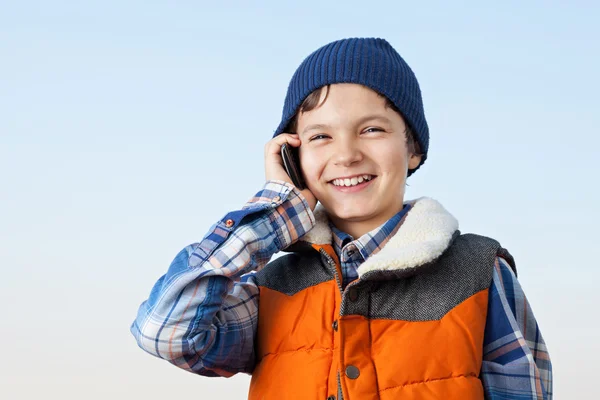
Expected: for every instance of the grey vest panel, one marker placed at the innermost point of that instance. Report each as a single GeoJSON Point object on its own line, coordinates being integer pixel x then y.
{"type": "Point", "coordinates": [295, 272]}
{"type": "Point", "coordinates": [463, 270]}
{"type": "Point", "coordinates": [425, 293]}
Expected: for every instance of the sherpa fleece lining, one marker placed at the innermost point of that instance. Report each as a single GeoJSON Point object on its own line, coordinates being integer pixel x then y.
{"type": "Point", "coordinates": [425, 234]}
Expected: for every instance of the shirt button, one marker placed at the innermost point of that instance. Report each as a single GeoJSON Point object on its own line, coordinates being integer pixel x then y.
{"type": "Point", "coordinates": [276, 198]}
{"type": "Point", "coordinates": [332, 397]}
{"type": "Point", "coordinates": [335, 325]}
{"type": "Point", "coordinates": [229, 223]}
{"type": "Point", "coordinates": [353, 294]}
{"type": "Point", "coordinates": [352, 372]}
{"type": "Point", "coordinates": [351, 253]}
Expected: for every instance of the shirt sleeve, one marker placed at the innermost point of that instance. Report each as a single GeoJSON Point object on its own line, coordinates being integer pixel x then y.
{"type": "Point", "coordinates": [516, 363]}
{"type": "Point", "coordinates": [202, 314]}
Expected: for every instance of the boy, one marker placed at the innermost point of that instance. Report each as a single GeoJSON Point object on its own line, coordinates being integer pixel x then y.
{"type": "Point", "coordinates": [379, 298]}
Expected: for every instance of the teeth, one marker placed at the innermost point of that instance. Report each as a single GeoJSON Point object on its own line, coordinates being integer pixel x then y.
{"type": "Point", "coordinates": [352, 181]}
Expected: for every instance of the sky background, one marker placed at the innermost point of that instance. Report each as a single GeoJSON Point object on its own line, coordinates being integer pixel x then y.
{"type": "Point", "coordinates": [128, 127]}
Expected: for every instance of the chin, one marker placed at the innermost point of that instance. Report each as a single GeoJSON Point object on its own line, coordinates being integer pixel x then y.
{"type": "Point", "coordinates": [351, 212]}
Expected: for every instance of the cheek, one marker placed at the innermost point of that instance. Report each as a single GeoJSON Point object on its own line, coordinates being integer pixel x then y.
{"type": "Point", "coordinates": [392, 158]}
{"type": "Point", "coordinates": [311, 164]}
{"type": "Point", "coordinates": [393, 163]}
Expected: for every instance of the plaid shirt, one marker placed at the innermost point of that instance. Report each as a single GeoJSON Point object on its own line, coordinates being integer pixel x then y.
{"type": "Point", "coordinates": [352, 252]}
{"type": "Point", "coordinates": [202, 314]}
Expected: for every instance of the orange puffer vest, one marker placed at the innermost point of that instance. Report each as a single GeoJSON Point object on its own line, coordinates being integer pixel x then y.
{"type": "Point", "coordinates": [410, 327]}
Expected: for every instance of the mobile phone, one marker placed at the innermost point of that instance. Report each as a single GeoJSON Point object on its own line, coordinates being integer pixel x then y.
{"type": "Point", "coordinates": [291, 163]}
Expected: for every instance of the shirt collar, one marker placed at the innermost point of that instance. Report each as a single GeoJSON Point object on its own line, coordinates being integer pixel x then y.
{"type": "Point", "coordinates": [371, 242]}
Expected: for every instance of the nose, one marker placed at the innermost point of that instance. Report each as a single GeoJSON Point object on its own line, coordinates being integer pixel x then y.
{"type": "Point", "coordinates": [347, 152]}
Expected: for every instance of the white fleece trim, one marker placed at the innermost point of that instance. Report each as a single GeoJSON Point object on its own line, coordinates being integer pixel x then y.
{"type": "Point", "coordinates": [320, 233]}
{"type": "Point", "coordinates": [424, 235]}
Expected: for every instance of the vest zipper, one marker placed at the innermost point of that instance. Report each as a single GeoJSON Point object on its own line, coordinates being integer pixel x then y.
{"type": "Point", "coordinates": [333, 266]}
{"type": "Point", "coordinates": [340, 395]}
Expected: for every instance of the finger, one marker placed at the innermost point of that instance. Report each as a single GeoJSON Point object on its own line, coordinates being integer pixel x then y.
{"type": "Point", "coordinates": [285, 138]}
{"type": "Point", "coordinates": [274, 145]}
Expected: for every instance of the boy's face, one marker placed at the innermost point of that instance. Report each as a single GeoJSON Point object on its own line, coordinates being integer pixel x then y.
{"type": "Point", "coordinates": [349, 136]}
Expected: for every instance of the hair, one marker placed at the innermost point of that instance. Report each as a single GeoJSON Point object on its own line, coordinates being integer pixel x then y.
{"type": "Point", "coordinates": [312, 101]}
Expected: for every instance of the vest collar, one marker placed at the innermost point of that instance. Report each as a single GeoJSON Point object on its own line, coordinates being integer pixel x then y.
{"type": "Point", "coordinates": [426, 232]}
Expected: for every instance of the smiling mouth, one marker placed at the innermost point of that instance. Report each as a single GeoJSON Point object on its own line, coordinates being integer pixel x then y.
{"type": "Point", "coordinates": [354, 181]}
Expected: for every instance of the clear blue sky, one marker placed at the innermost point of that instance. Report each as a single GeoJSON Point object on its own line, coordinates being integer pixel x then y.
{"type": "Point", "coordinates": [128, 127]}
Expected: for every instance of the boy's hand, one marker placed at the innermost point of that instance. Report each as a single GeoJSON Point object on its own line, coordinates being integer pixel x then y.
{"type": "Point", "coordinates": [274, 169]}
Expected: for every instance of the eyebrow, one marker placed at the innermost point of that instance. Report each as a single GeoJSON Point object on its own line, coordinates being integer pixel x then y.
{"type": "Point", "coordinates": [366, 118]}
{"type": "Point", "coordinates": [314, 127]}
{"type": "Point", "coordinates": [374, 117]}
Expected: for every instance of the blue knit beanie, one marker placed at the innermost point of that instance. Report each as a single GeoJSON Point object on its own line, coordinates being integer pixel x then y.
{"type": "Point", "coordinates": [371, 62]}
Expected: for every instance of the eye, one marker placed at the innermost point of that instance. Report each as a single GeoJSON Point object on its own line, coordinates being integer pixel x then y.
{"type": "Point", "coordinates": [372, 129]}
{"type": "Point", "coordinates": [317, 137]}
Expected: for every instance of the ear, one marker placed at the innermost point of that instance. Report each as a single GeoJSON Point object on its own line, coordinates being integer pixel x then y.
{"type": "Point", "coordinates": [414, 160]}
